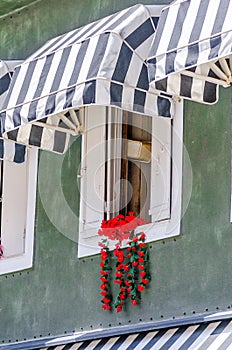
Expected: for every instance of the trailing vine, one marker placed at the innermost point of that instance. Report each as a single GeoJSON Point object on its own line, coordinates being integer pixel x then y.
{"type": "Point", "coordinates": [132, 267]}
{"type": "Point", "coordinates": [105, 276]}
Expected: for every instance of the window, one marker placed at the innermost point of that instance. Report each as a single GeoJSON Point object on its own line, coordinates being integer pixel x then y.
{"type": "Point", "coordinates": [130, 162]}
{"type": "Point", "coordinates": [18, 193]}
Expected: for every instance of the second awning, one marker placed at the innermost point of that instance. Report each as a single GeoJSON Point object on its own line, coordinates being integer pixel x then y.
{"type": "Point", "coordinates": [191, 53]}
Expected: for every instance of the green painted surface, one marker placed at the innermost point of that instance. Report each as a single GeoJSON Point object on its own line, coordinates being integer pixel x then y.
{"type": "Point", "coordinates": [22, 33]}
{"type": "Point", "coordinates": [190, 274]}
{"type": "Point", "coordinates": [9, 6]}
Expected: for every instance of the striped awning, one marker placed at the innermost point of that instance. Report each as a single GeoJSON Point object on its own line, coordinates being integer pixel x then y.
{"type": "Point", "coordinates": [102, 63]}
{"type": "Point", "coordinates": [191, 53]}
{"type": "Point", "coordinates": [9, 151]}
{"type": "Point", "coordinates": [216, 335]}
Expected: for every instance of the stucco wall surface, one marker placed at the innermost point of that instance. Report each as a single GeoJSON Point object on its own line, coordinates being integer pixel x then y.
{"type": "Point", "coordinates": [191, 274]}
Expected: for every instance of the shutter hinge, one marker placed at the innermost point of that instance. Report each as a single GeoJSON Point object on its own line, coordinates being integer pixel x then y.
{"type": "Point", "coordinates": [81, 173]}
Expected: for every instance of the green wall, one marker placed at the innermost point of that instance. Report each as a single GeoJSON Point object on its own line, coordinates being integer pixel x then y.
{"type": "Point", "coordinates": [26, 30]}
{"type": "Point", "coordinates": [191, 274]}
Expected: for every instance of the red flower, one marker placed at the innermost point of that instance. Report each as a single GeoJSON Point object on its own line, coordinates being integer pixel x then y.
{"type": "Point", "coordinates": [106, 300]}
{"type": "Point", "coordinates": [119, 267]}
{"type": "Point", "coordinates": [104, 255]}
{"type": "Point", "coordinates": [126, 267]}
{"type": "Point", "coordinates": [121, 258]}
{"type": "Point", "coordinates": [103, 286]}
{"type": "Point", "coordinates": [141, 254]}
{"type": "Point", "coordinates": [102, 264]}
{"type": "Point", "coordinates": [141, 267]}
{"type": "Point", "coordinates": [145, 281]}
{"type": "Point", "coordinates": [142, 274]}
{"type": "Point", "coordinates": [103, 293]}
{"type": "Point", "coordinates": [103, 279]}
{"type": "Point", "coordinates": [117, 281]}
{"type": "Point", "coordinates": [133, 302]}
{"type": "Point", "coordinates": [106, 307]}
{"type": "Point", "coordinates": [141, 288]}
{"type": "Point", "coordinates": [141, 260]}
{"type": "Point", "coordinates": [135, 263]}
{"type": "Point", "coordinates": [104, 224]}
{"type": "Point", "coordinates": [142, 245]}
{"type": "Point", "coordinates": [119, 274]}
{"type": "Point", "coordinates": [135, 239]}
{"type": "Point", "coordinates": [143, 236]}
{"type": "Point", "coordinates": [104, 273]}
{"type": "Point", "coordinates": [122, 296]}
{"type": "Point", "coordinates": [119, 308]}
{"type": "Point", "coordinates": [120, 216]}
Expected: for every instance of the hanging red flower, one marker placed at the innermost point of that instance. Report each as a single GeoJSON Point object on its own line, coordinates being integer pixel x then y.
{"type": "Point", "coordinates": [1, 250]}
{"type": "Point", "coordinates": [132, 269]}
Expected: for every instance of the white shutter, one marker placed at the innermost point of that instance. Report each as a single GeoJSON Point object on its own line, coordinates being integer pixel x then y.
{"type": "Point", "coordinates": [14, 205]}
{"type": "Point", "coordinates": [161, 169]}
{"type": "Point", "coordinates": [114, 154]}
{"type": "Point", "coordinates": [92, 176]}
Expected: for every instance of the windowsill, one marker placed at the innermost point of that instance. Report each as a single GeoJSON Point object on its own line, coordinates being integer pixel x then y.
{"type": "Point", "coordinates": [159, 230]}
{"type": "Point", "coordinates": [154, 232]}
{"type": "Point", "coordinates": [16, 263]}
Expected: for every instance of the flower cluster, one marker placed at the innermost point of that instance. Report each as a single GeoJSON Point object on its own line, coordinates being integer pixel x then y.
{"type": "Point", "coordinates": [1, 250]}
{"type": "Point", "coordinates": [120, 227]}
{"type": "Point", "coordinates": [138, 268]}
{"type": "Point", "coordinates": [132, 269]}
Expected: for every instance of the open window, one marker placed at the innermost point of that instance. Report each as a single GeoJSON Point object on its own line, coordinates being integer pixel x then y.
{"type": "Point", "coordinates": [18, 194]}
{"type": "Point", "coordinates": [130, 162]}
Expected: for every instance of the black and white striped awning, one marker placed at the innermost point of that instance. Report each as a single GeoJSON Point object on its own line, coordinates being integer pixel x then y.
{"type": "Point", "coordinates": [212, 336]}
{"type": "Point", "coordinates": [191, 52]}
{"type": "Point", "coordinates": [216, 335]}
{"type": "Point", "coordinates": [102, 63]}
{"type": "Point", "coordinates": [9, 151]}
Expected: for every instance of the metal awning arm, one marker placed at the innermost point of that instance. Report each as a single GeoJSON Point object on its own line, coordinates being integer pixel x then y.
{"type": "Point", "coordinates": [222, 82]}
{"type": "Point", "coordinates": [57, 128]}
{"type": "Point", "coordinates": [74, 126]}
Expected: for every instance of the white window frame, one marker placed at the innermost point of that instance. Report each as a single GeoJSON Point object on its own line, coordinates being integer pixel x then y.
{"type": "Point", "coordinates": [88, 227]}
{"type": "Point", "coordinates": [23, 259]}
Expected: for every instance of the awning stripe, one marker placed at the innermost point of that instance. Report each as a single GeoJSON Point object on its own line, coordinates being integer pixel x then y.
{"type": "Point", "coordinates": [198, 336]}
{"type": "Point", "coordinates": [4, 83]}
{"type": "Point", "coordinates": [191, 34]}
{"type": "Point", "coordinates": [102, 63]}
